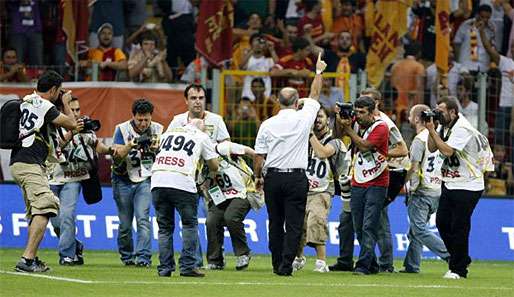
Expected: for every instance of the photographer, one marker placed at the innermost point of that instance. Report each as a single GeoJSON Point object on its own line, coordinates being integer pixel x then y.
{"type": "Point", "coordinates": [27, 164]}
{"type": "Point", "coordinates": [79, 147]}
{"type": "Point", "coordinates": [370, 178]}
{"type": "Point", "coordinates": [131, 171]}
{"type": "Point", "coordinates": [467, 156]}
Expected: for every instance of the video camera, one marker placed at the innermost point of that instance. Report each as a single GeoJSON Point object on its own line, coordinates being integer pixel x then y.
{"type": "Point", "coordinates": [435, 114]}
{"type": "Point", "coordinates": [345, 110]}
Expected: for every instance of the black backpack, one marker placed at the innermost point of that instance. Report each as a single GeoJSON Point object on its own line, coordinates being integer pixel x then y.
{"type": "Point", "coordinates": [10, 115]}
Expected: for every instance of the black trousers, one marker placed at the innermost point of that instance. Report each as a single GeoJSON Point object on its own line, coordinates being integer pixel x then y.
{"type": "Point", "coordinates": [453, 221]}
{"type": "Point", "coordinates": [396, 182]}
{"type": "Point", "coordinates": [286, 197]}
{"type": "Point", "coordinates": [180, 40]}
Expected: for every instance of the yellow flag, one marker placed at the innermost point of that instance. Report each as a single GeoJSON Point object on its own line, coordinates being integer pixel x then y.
{"type": "Point", "coordinates": [442, 33]}
{"type": "Point", "coordinates": [388, 27]}
{"type": "Point", "coordinates": [326, 14]}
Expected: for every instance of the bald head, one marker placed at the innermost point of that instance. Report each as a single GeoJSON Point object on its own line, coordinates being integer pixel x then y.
{"type": "Point", "coordinates": [415, 113]}
{"type": "Point", "coordinates": [288, 96]}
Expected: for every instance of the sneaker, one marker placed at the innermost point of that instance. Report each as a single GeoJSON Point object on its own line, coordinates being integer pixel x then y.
{"type": "Point", "coordinates": [31, 266]}
{"type": "Point", "coordinates": [193, 273]}
{"type": "Point", "coordinates": [214, 267]}
{"type": "Point", "coordinates": [79, 253]}
{"type": "Point", "coordinates": [340, 267]}
{"type": "Point", "coordinates": [321, 266]}
{"type": "Point", "coordinates": [451, 275]}
{"type": "Point", "coordinates": [242, 262]}
{"type": "Point", "coordinates": [66, 261]}
{"type": "Point", "coordinates": [299, 263]}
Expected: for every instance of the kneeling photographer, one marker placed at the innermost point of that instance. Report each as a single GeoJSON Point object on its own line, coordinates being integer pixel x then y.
{"type": "Point", "coordinates": [467, 156]}
{"type": "Point", "coordinates": [79, 170]}
{"type": "Point", "coordinates": [139, 140]}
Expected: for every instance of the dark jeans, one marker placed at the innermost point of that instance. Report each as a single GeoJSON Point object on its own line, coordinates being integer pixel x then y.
{"type": "Point", "coordinates": [230, 213]}
{"type": "Point", "coordinates": [165, 201]}
{"type": "Point", "coordinates": [180, 41]}
{"type": "Point", "coordinates": [453, 221]}
{"type": "Point", "coordinates": [346, 238]}
{"type": "Point", "coordinates": [366, 205]}
{"type": "Point", "coordinates": [286, 197]}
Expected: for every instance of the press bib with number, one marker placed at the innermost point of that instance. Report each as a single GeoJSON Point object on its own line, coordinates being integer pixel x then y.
{"type": "Point", "coordinates": [231, 180]}
{"type": "Point", "coordinates": [319, 172]}
{"type": "Point", "coordinates": [138, 166]}
{"type": "Point", "coordinates": [430, 169]}
{"type": "Point", "coordinates": [369, 165]}
{"type": "Point", "coordinates": [33, 110]}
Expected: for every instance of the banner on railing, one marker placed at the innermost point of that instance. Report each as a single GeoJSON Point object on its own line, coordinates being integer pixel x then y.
{"type": "Point", "coordinates": [492, 235]}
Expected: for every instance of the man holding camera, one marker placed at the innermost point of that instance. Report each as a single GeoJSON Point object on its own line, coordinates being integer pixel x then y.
{"type": "Point", "coordinates": [370, 178]}
{"type": "Point", "coordinates": [79, 147]}
{"type": "Point", "coordinates": [138, 140]}
{"type": "Point", "coordinates": [424, 178]}
{"type": "Point", "coordinates": [467, 156]}
{"type": "Point", "coordinates": [38, 114]}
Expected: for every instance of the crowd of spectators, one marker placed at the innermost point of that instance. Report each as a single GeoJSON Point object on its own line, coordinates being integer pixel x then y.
{"type": "Point", "coordinates": [153, 41]}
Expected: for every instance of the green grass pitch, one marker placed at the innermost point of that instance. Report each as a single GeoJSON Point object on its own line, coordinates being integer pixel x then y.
{"type": "Point", "coordinates": [104, 275]}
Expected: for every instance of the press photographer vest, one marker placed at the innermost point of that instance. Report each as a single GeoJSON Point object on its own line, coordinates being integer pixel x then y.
{"type": "Point", "coordinates": [429, 171]}
{"type": "Point", "coordinates": [320, 172]}
{"type": "Point", "coordinates": [369, 165]}
{"type": "Point", "coordinates": [135, 161]}
{"type": "Point", "coordinates": [180, 151]}
{"type": "Point", "coordinates": [232, 182]}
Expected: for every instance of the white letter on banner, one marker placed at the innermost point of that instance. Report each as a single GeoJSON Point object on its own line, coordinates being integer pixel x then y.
{"type": "Point", "coordinates": [403, 242]}
{"type": "Point", "coordinates": [251, 228]}
{"type": "Point", "coordinates": [87, 219]}
{"type": "Point", "coordinates": [1, 227]}
{"type": "Point", "coordinates": [333, 233]}
{"type": "Point", "coordinates": [18, 221]}
{"type": "Point", "coordinates": [111, 224]}
{"type": "Point", "coordinates": [510, 234]}
{"type": "Point", "coordinates": [155, 228]}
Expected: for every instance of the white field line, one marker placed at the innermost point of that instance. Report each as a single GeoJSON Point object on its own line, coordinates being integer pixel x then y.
{"type": "Point", "coordinates": [275, 284]}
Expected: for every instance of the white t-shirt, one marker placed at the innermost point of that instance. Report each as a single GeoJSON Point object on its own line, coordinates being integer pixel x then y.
{"type": "Point", "coordinates": [214, 125]}
{"type": "Point", "coordinates": [507, 92]}
{"type": "Point", "coordinates": [262, 64]}
{"type": "Point", "coordinates": [285, 136]}
{"type": "Point", "coordinates": [471, 113]}
{"type": "Point", "coordinates": [454, 75]}
{"type": "Point", "coordinates": [463, 38]}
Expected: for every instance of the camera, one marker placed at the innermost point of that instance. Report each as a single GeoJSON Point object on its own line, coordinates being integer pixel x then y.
{"type": "Point", "coordinates": [144, 141]}
{"type": "Point", "coordinates": [91, 125]}
{"type": "Point", "coordinates": [435, 114]}
{"type": "Point", "coordinates": [345, 110]}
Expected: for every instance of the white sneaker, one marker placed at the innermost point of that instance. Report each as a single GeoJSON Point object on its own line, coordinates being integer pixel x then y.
{"type": "Point", "coordinates": [299, 263]}
{"type": "Point", "coordinates": [321, 266]}
{"type": "Point", "coordinates": [451, 275]}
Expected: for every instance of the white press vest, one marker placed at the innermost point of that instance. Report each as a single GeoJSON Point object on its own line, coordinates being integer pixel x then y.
{"type": "Point", "coordinates": [233, 182]}
{"type": "Point", "coordinates": [369, 165]}
{"type": "Point", "coordinates": [318, 171]}
{"type": "Point", "coordinates": [429, 171]}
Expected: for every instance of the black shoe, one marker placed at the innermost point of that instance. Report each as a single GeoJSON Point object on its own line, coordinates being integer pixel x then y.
{"type": "Point", "coordinates": [405, 270]}
{"type": "Point", "coordinates": [164, 273]}
{"type": "Point", "coordinates": [282, 273]}
{"type": "Point", "coordinates": [31, 266]}
{"type": "Point", "coordinates": [193, 273]}
{"type": "Point", "coordinates": [359, 271]}
{"type": "Point", "coordinates": [340, 267]}
{"type": "Point", "coordinates": [66, 261]}
{"type": "Point", "coordinates": [389, 269]}
{"type": "Point", "coordinates": [129, 263]}
{"type": "Point", "coordinates": [143, 264]}
{"type": "Point", "coordinates": [79, 253]}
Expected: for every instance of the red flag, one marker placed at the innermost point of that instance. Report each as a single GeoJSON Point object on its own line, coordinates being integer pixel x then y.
{"type": "Point", "coordinates": [76, 31]}
{"type": "Point", "coordinates": [214, 30]}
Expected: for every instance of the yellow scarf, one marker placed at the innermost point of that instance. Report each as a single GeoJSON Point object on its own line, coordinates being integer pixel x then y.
{"type": "Point", "coordinates": [344, 69]}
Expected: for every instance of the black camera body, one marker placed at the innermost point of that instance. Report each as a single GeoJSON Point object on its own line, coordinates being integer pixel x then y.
{"type": "Point", "coordinates": [435, 115]}
{"type": "Point", "coordinates": [144, 141]}
{"type": "Point", "coordinates": [91, 125]}
{"type": "Point", "coordinates": [345, 110]}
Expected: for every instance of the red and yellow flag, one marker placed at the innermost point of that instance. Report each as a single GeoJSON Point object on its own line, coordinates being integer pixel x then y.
{"type": "Point", "coordinates": [214, 30]}
{"type": "Point", "coordinates": [442, 33]}
{"type": "Point", "coordinates": [388, 22]}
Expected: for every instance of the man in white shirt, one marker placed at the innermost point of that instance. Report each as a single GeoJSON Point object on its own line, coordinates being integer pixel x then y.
{"type": "Point", "coordinates": [283, 142]}
{"type": "Point", "coordinates": [174, 187]}
{"type": "Point", "coordinates": [467, 156]}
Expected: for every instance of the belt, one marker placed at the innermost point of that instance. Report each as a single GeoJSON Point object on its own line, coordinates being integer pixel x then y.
{"type": "Point", "coordinates": [285, 170]}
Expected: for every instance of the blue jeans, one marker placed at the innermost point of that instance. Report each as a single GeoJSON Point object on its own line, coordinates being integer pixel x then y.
{"type": "Point", "coordinates": [419, 209]}
{"type": "Point", "coordinates": [133, 199]}
{"type": "Point", "coordinates": [165, 201]}
{"type": "Point", "coordinates": [202, 212]}
{"type": "Point", "coordinates": [366, 205]}
{"type": "Point", "coordinates": [64, 223]}
{"type": "Point", "coordinates": [385, 241]}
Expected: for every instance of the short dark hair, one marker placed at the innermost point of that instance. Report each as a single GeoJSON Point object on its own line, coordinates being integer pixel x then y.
{"type": "Point", "coordinates": [466, 83]}
{"type": "Point", "coordinates": [450, 102]}
{"type": "Point", "coordinates": [308, 5]}
{"type": "Point", "coordinates": [485, 7]}
{"type": "Point", "coordinates": [258, 80]}
{"type": "Point", "coordinates": [365, 102]}
{"type": "Point", "coordinates": [142, 106]}
{"type": "Point", "coordinates": [195, 87]}
{"type": "Point", "coordinates": [8, 49]}
{"type": "Point", "coordinates": [48, 80]}
{"type": "Point", "coordinates": [324, 109]}
{"type": "Point", "coordinates": [412, 49]}
{"type": "Point", "coordinates": [149, 35]}
{"type": "Point", "coordinates": [300, 43]}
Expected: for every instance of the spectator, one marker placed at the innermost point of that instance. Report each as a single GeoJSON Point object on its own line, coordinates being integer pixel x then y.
{"type": "Point", "coordinates": [407, 76]}
{"type": "Point", "coordinates": [497, 21]}
{"type": "Point", "coordinates": [10, 69]}
{"type": "Point", "coordinates": [24, 32]}
{"type": "Point", "coordinates": [289, 33]}
{"type": "Point", "coordinates": [110, 59]}
{"type": "Point", "coordinates": [500, 181]}
{"type": "Point", "coordinates": [310, 26]}
{"type": "Point", "coordinates": [178, 24]}
{"type": "Point", "coordinates": [266, 106]}
{"type": "Point", "coordinates": [242, 39]}
{"type": "Point", "coordinates": [246, 123]}
{"type": "Point", "coordinates": [103, 12]}
{"type": "Point", "coordinates": [296, 66]}
{"type": "Point", "coordinates": [468, 43]}
{"type": "Point", "coordinates": [255, 60]}
{"type": "Point", "coordinates": [469, 108]}
{"type": "Point", "coordinates": [350, 22]}
{"type": "Point", "coordinates": [147, 63]}
{"type": "Point", "coordinates": [509, 12]}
